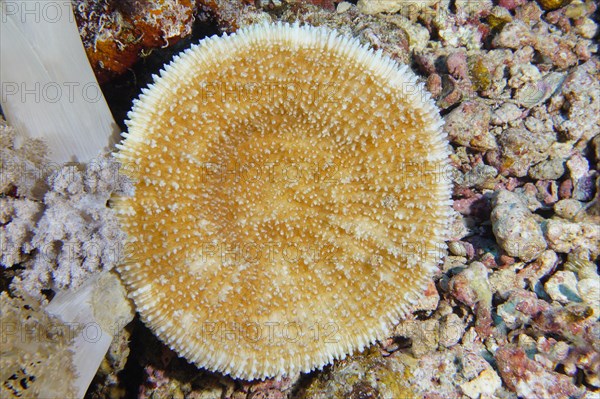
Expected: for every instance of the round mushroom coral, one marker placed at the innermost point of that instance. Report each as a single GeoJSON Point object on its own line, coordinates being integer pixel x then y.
{"type": "Point", "coordinates": [291, 201]}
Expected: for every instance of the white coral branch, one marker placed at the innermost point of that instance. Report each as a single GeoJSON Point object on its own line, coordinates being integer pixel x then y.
{"type": "Point", "coordinates": [68, 235]}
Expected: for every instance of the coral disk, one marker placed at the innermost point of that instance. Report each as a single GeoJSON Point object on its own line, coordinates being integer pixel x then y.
{"type": "Point", "coordinates": [291, 199]}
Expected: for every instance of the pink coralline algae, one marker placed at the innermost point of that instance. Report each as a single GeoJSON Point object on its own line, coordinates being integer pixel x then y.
{"type": "Point", "coordinates": [529, 379]}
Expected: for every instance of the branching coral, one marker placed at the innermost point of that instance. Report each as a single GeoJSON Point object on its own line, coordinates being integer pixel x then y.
{"type": "Point", "coordinates": [70, 234]}
{"type": "Point", "coordinates": [21, 167]}
{"type": "Point", "coordinates": [18, 217]}
{"type": "Point", "coordinates": [77, 234]}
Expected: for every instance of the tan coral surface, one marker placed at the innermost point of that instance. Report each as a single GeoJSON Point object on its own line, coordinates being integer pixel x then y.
{"type": "Point", "coordinates": [291, 202]}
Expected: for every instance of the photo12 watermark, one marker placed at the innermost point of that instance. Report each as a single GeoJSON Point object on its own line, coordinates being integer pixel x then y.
{"type": "Point", "coordinates": [53, 332]}
{"type": "Point", "coordinates": [29, 11]}
{"type": "Point", "coordinates": [50, 92]}
{"type": "Point", "coordinates": [270, 332]}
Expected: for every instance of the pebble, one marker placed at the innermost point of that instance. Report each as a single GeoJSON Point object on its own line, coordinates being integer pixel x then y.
{"type": "Point", "coordinates": [498, 17]}
{"type": "Point", "coordinates": [504, 281]}
{"type": "Point", "coordinates": [457, 248]}
{"type": "Point", "coordinates": [521, 33]}
{"type": "Point", "coordinates": [512, 317]}
{"type": "Point", "coordinates": [566, 189]}
{"type": "Point", "coordinates": [506, 113]}
{"type": "Point", "coordinates": [568, 208]}
{"type": "Point", "coordinates": [471, 286]}
{"type": "Point", "coordinates": [589, 291]}
{"type": "Point", "coordinates": [513, 35]}
{"type": "Point", "coordinates": [452, 262]}
{"type": "Point", "coordinates": [515, 228]}
{"type": "Point", "coordinates": [528, 379]}
{"type": "Point", "coordinates": [452, 329]}
{"type": "Point", "coordinates": [551, 169]}
{"type": "Point", "coordinates": [423, 334]}
{"type": "Point", "coordinates": [578, 166]}
{"type": "Point", "coordinates": [375, 7]}
{"type": "Point", "coordinates": [580, 90]}
{"type": "Point", "coordinates": [579, 169]}
{"type": "Point", "coordinates": [529, 195]}
{"type": "Point", "coordinates": [582, 267]}
{"type": "Point", "coordinates": [539, 268]}
{"type": "Point", "coordinates": [565, 237]}
{"type": "Point", "coordinates": [468, 125]}
{"type": "Point", "coordinates": [520, 149]}
{"type": "Point", "coordinates": [524, 73]}
{"type": "Point", "coordinates": [485, 384]}
{"type": "Point", "coordinates": [562, 287]}
{"type": "Point", "coordinates": [530, 13]}
{"type": "Point", "coordinates": [526, 342]}
{"type": "Point", "coordinates": [481, 176]}
{"type": "Point", "coordinates": [547, 191]}
{"type": "Point", "coordinates": [557, 351]}
{"type": "Point", "coordinates": [553, 4]}
{"type": "Point", "coordinates": [429, 301]}
{"type": "Point", "coordinates": [538, 125]}
{"type": "Point", "coordinates": [434, 85]}
{"type": "Point", "coordinates": [418, 35]}
{"type": "Point", "coordinates": [587, 28]}
{"type": "Point", "coordinates": [457, 65]}
{"type": "Point", "coordinates": [476, 206]}
{"type": "Point", "coordinates": [538, 91]}
{"type": "Point", "coordinates": [458, 227]}
{"type": "Point", "coordinates": [343, 7]}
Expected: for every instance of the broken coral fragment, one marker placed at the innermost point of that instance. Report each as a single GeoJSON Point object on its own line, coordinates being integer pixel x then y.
{"type": "Point", "coordinates": [515, 227]}
{"type": "Point", "coordinates": [291, 203]}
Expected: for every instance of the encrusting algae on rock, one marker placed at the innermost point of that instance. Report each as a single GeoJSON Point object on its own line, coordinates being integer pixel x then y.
{"type": "Point", "coordinates": [291, 200]}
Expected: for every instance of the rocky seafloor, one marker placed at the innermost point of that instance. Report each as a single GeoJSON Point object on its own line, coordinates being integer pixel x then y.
{"type": "Point", "coordinates": [513, 311]}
